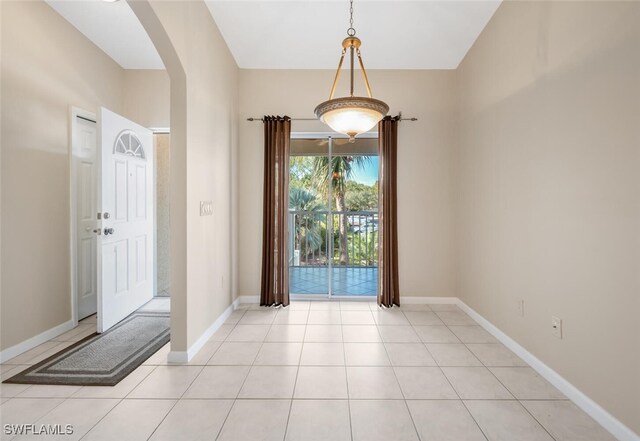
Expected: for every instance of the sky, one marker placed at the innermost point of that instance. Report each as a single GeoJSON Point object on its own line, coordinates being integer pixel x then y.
{"type": "Point", "coordinates": [367, 175]}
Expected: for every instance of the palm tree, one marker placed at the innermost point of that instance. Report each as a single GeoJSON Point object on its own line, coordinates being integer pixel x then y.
{"type": "Point", "coordinates": [301, 199]}
{"type": "Point", "coordinates": [307, 201]}
{"type": "Point", "coordinates": [342, 168]}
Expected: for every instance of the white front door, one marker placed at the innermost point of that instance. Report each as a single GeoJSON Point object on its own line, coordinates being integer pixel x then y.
{"type": "Point", "coordinates": [125, 204]}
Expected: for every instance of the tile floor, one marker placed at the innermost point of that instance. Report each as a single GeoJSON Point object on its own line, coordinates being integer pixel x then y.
{"type": "Point", "coordinates": [338, 371]}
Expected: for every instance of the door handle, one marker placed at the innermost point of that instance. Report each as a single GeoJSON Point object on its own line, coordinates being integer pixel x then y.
{"type": "Point", "coordinates": [97, 231]}
{"type": "Point", "coordinates": [108, 231]}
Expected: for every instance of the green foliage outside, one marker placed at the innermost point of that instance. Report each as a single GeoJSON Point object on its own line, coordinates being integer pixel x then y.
{"type": "Point", "coordinates": [355, 238]}
{"type": "Point", "coordinates": [361, 197]}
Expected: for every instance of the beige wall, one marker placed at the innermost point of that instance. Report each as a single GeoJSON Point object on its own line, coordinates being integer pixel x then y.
{"type": "Point", "coordinates": [47, 66]}
{"type": "Point", "coordinates": [424, 165]}
{"type": "Point", "coordinates": [204, 108]}
{"type": "Point", "coordinates": [146, 97]}
{"type": "Point", "coordinates": [549, 197]}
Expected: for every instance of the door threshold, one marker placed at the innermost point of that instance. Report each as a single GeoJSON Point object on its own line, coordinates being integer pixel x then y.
{"type": "Point", "coordinates": [326, 298]}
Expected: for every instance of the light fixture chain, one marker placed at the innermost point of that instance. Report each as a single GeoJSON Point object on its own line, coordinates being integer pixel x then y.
{"type": "Point", "coordinates": [351, 115]}
{"type": "Point", "coordinates": [351, 31]}
{"type": "Point", "coordinates": [351, 13]}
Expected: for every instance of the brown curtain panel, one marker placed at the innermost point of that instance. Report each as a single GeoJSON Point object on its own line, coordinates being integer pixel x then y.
{"type": "Point", "coordinates": [275, 260]}
{"type": "Point", "coordinates": [388, 291]}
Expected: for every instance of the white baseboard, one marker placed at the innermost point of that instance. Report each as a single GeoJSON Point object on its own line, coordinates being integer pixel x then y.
{"type": "Point", "coordinates": [185, 356]}
{"type": "Point", "coordinates": [428, 300]}
{"type": "Point", "coordinates": [31, 343]}
{"type": "Point", "coordinates": [604, 418]}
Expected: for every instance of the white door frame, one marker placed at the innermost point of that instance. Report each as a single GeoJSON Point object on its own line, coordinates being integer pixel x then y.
{"type": "Point", "coordinates": [74, 113]}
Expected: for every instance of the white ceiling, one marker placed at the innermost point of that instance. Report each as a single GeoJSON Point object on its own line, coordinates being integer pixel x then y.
{"type": "Point", "coordinates": [114, 28]}
{"type": "Point", "coordinates": [307, 34]}
{"type": "Point", "coordinates": [302, 34]}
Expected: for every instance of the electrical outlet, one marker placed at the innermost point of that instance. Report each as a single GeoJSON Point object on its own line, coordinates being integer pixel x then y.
{"type": "Point", "coordinates": [556, 325]}
{"type": "Point", "coordinates": [520, 307]}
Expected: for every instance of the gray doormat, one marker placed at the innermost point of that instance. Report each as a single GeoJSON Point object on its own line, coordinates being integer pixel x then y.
{"type": "Point", "coordinates": [103, 359]}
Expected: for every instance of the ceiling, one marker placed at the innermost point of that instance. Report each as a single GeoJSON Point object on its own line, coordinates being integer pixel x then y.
{"type": "Point", "coordinates": [114, 28]}
{"type": "Point", "coordinates": [307, 34]}
{"type": "Point", "coordinates": [302, 34]}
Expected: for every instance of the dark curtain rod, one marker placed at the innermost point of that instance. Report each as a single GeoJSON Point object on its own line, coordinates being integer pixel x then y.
{"type": "Point", "coordinates": [316, 119]}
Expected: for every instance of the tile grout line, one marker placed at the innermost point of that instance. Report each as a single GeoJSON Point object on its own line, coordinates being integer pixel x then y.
{"type": "Point", "coordinates": [234, 399]}
{"type": "Point", "coordinates": [295, 383]}
{"type": "Point", "coordinates": [535, 419]}
{"type": "Point", "coordinates": [120, 400]}
{"type": "Point", "coordinates": [346, 374]}
{"type": "Point", "coordinates": [486, 367]}
{"type": "Point", "coordinates": [135, 387]}
{"type": "Point", "coordinates": [474, 420]}
{"type": "Point", "coordinates": [504, 385]}
{"type": "Point", "coordinates": [183, 393]}
{"type": "Point", "coordinates": [500, 382]}
{"type": "Point", "coordinates": [174, 404]}
{"type": "Point", "coordinates": [461, 400]}
{"type": "Point", "coordinates": [449, 381]}
{"type": "Point", "coordinates": [202, 370]}
{"type": "Point", "coordinates": [54, 408]}
{"type": "Point", "coordinates": [404, 398]}
{"type": "Point", "coordinates": [308, 310]}
{"type": "Point", "coordinates": [241, 386]}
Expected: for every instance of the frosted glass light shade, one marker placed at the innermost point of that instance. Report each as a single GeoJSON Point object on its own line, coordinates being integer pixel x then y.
{"type": "Point", "coordinates": [351, 115]}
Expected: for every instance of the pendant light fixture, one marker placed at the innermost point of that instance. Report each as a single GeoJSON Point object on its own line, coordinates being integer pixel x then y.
{"type": "Point", "coordinates": [351, 115]}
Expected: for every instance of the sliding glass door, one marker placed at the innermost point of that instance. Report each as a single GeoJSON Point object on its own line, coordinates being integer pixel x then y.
{"type": "Point", "coordinates": [333, 217]}
{"type": "Point", "coordinates": [310, 229]}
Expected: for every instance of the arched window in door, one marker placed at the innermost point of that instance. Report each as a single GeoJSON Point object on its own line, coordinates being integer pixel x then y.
{"type": "Point", "coordinates": [127, 143]}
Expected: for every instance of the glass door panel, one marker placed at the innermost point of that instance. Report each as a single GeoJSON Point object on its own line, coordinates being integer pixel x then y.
{"type": "Point", "coordinates": [355, 216]}
{"type": "Point", "coordinates": [333, 217]}
{"type": "Point", "coordinates": [308, 219]}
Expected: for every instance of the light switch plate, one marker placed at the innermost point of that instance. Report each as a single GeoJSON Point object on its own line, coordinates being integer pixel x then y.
{"type": "Point", "coordinates": [556, 325]}
{"type": "Point", "coordinates": [206, 208]}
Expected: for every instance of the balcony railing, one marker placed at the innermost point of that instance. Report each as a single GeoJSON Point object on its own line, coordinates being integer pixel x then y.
{"type": "Point", "coordinates": [344, 238]}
